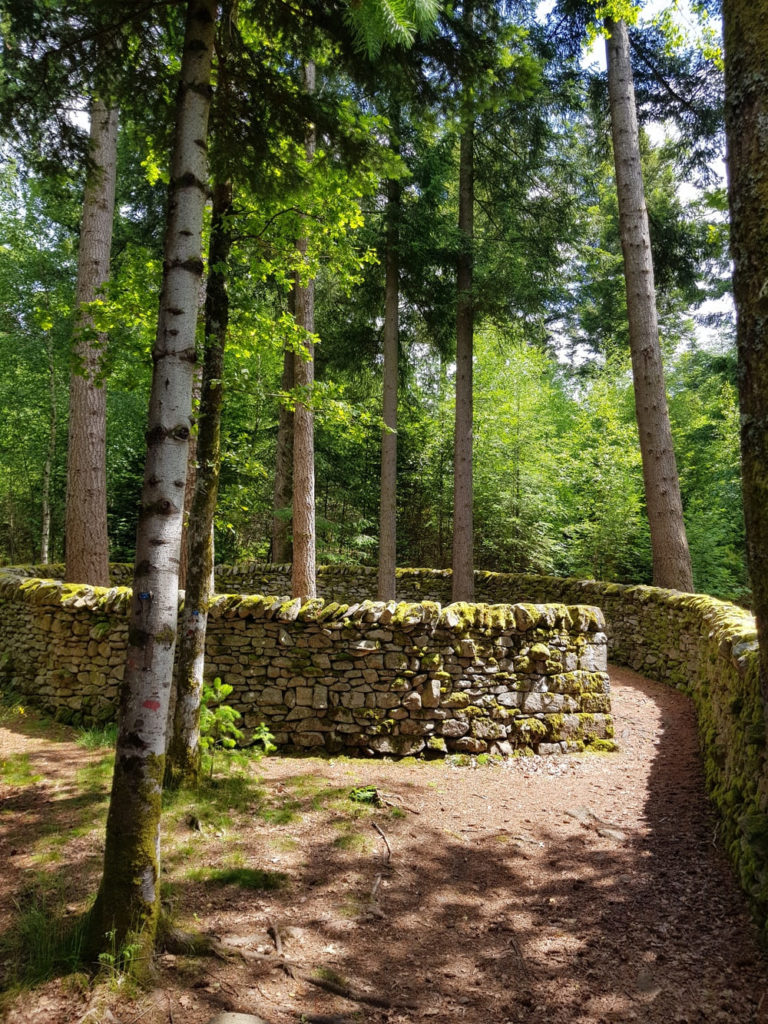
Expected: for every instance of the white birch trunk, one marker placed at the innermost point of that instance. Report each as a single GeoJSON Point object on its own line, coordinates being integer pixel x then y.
{"type": "Point", "coordinates": [128, 899]}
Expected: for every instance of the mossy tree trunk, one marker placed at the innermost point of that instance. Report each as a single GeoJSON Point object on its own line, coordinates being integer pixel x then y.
{"type": "Point", "coordinates": [463, 530]}
{"type": "Point", "coordinates": [745, 24]}
{"type": "Point", "coordinates": [128, 902]}
{"type": "Point", "coordinates": [87, 546]}
{"type": "Point", "coordinates": [671, 559]}
{"type": "Point", "coordinates": [388, 507]}
{"type": "Point", "coordinates": [303, 574]}
{"type": "Point", "coordinates": [184, 757]}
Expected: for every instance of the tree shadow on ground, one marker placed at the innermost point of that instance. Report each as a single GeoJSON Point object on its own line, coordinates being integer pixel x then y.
{"type": "Point", "coordinates": [536, 919]}
{"type": "Point", "coordinates": [561, 924]}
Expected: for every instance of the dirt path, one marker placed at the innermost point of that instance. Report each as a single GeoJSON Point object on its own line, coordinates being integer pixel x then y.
{"type": "Point", "coordinates": [575, 890]}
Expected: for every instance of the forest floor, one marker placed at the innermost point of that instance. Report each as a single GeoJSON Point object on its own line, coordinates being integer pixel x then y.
{"type": "Point", "coordinates": [568, 890]}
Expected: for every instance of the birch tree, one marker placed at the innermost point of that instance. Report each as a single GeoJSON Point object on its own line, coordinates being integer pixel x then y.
{"type": "Point", "coordinates": [128, 902]}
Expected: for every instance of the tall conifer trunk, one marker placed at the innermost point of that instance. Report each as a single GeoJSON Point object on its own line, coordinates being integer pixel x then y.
{"type": "Point", "coordinates": [745, 25]}
{"type": "Point", "coordinates": [463, 531]}
{"type": "Point", "coordinates": [671, 559]}
{"type": "Point", "coordinates": [281, 549]}
{"type": "Point", "coordinates": [87, 547]}
{"type": "Point", "coordinates": [184, 757]}
{"type": "Point", "coordinates": [304, 576]}
{"type": "Point", "coordinates": [128, 901]}
{"type": "Point", "coordinates": [45, 532]}
{"type": "Point", "coordinates": [388, 508]}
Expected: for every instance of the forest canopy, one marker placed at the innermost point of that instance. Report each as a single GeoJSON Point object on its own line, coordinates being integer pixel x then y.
{"type": "Point", "coordinates": [558, 484]}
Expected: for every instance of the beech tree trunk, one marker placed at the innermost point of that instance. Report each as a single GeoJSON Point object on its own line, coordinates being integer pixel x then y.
{"type": "Point", "coordinates": [388, 509]}
{"type": "Point", "coordinates": [303, 575]}
{"type": "Point", "coordinates": [128, 902]}
{"type": "Point", "coordinates": [183, 760]}
{"type": "Point", "coordinates": [281, 550]}
{"type": "Point", "coordinates": [463, 531]}
{"type": "Point", "coordinates": [745, 25]}
{"type": "Point", "coordinates": [671, 558]}
{"type": "Point", "coordinates": [87, 546]}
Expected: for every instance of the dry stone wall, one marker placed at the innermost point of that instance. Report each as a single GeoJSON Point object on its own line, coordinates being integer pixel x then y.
{"type": "Point", "coordinates": [368, 677]}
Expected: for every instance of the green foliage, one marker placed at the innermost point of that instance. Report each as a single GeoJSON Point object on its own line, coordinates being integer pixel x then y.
{"type": "Point", "coordinates": [217, 720]}
{"type": "Point", "coordinates": [366, 795]}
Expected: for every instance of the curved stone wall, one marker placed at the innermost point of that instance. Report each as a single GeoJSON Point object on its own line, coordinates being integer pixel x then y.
{"type": "Point", "coordinates": [368, 677]}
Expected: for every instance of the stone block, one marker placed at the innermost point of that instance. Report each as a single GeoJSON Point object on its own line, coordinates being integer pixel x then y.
{"type": "Point", "coordinates": [452, 728]}
{"type": "Point", "coordinates": [271, 695]}
{"type": "Point", "coordinates": [430, 694]}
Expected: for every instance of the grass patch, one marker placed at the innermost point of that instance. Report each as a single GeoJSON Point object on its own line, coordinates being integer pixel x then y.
{"type": "Point", "coordinates": [352, 841]}
{"type": "Point", "coordinates": [246, 878]}
{"type": "Point", "coordinates": [16, 770]}
{"type": "Point", "coordinates": [97, 774]}
{"type": "Point", "coordinates": [42, 944]}
{"type": "Point", "coordinates": [97, 736]}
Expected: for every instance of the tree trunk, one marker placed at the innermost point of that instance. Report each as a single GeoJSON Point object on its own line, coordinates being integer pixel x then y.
{"type": "Point", "coordinates": [45, 532]}
{"type": "Point", "coordinates": [745, 25]}
{"type": "Point", "coordinates": [190, 487]}
{"type": "Point", "coordinates": [280, 549]}
{"type": "Point", "coordinates": [183, 760]}
{"type": "Point", "coordinates": [388, 509]}
{"type": "Point", "coordinates": [128, 901]}
{"type": "Point", "coordinates": [671, 559]}
{"type": "Point", "coordinates": [87, 546]}
{"type": "Point", "coordinates": [463, 536]}
{"type": "Point", "coordinates": [303, 577]}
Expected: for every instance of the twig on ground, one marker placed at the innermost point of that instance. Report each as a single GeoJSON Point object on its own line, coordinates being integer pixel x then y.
{"type": "Point", "coordinates": [400, 806]}
{"type": "Point", "coordinates": [376, 885]}
{"type": "Point", "coordinates": [170, 1009]}
{"type": "Point", "coordinates": [275, 935]}
{"type": "Point", "coordinates": [338, 989]}
{"type": "Point", "coordinates": [386, 841]}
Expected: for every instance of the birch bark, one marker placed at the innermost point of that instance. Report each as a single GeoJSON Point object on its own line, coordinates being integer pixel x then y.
{"type": "Point", "coordinates": [87, 546]}
{"type": "Point", "coordinates": [184, 756]}
{"type": "Point", "coordinates": [128, 902]}
{"type": "Point", "coordinates": [664, 507]}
